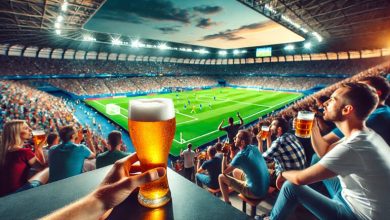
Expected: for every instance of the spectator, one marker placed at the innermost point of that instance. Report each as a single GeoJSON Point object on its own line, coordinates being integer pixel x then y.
{"type": "Point", "coordinates": [250, 174]}
{"type": "Point", "coordinates": [52, 139]}
{"type": "Point", "coordinates": [16, 161]}
{"type": "Point", "coordinates": [213, 167]}
{"type": "Point", "coordinates": [114, 153]}
{"type": "Point", "coordinates": [67, 158]}
{"type": "Point", "coordinates": [232, 128]}
{"type": "Point", "coordinates": [189, 157]}
{"type": "Point", "coordinates": [286, 151]}
{"type": "Point", "coordinates": [361, 162]}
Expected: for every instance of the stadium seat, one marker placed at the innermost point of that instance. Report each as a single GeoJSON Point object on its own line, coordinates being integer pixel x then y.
{"type": "Point", "coordinates": [253, 202]}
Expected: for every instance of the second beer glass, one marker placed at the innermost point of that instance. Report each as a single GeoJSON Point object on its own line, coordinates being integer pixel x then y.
{"type": "Point", "coordinates": [152, 127]}
{"type": "Point", "coordinates": [304, 123]}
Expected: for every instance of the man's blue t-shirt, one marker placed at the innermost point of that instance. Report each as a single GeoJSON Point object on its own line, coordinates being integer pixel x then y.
{"type": "Point", "coordinates": [66, 160]}
{"type": "Point", "coordinates": [213, 167]}
{"type": "Point", "coordinates": [252, 163]}
{"type": "Point", "coordinates": [378, 120]}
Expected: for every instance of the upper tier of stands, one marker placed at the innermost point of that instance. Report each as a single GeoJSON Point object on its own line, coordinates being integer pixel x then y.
{"type": "Point", "coordinates": [39, 66]}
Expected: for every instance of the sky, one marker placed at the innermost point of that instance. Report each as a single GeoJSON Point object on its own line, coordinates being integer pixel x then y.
{"type": "Point", "coordinates": [224, 24]}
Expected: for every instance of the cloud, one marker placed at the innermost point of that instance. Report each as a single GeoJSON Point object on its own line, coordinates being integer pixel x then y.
{"type": "Point", "coordinates": [168, 30]}
{"type": "Point", "coordinates": [205, 9]}
{"type": "Point", "coordinates": [123, 17]}
{"type": "Point", "coordinates": [235, 34]}
{"type": "Point", "coordinates": [148, 9]}
{"type": "Point", "coordinates": [205, 23]}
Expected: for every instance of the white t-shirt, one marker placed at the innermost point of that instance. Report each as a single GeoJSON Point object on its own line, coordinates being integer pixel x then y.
{"type": "Point", "coordinates": [362, 163]}
{"type": "Point", "coordinates": [189, 156]}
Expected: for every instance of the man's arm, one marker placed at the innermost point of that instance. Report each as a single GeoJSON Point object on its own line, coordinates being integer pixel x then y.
{"type": "Point", "coordinates": [225, 167]}
{"type": "Point", "coordinates": [322, 144]}
{"type": "Point", "coordinates": [239, 117]}
{"type": "Point", "coordinates": [199, 167]}
{"type": "Point", "coordinates": [220, 126]}
{"type": "Point", "coordinates": [307, 176]}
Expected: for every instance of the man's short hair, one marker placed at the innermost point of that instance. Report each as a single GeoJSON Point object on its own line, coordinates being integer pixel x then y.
{"type": "Point", "coordinates": [114, 138]}
{"type": "Point", "coordinates": [212, 150]}
{"type": "Point", "coordinates": [66, 133]}
{"type": "Point", "coordinates": [380, 84]}
{"type": "Point", "coordinates": [51, 138]}
{"type": "Point", "coordinates": [282, 123]}
{"type": "Point", "coordinates": [189, 145]}
{"type": "Point", "coordinates": [362, 97]}
{"type": "Point", "coordinates": [231, 120]}
{"type": "Point", "coordinates": [218, 146]}
{"type": "Point", "coordinates": [323, 98]}
{"type": "Point", "coordinates": [246, 136]}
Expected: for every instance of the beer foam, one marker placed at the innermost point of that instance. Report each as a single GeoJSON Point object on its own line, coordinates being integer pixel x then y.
{"type": "Point", "coordinates": [305, 115]}
{"type": "Point", "coordinates": [158, 109]}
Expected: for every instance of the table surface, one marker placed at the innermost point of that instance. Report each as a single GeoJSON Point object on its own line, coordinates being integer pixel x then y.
{"type": "Point", "coordinates": [188, 200]}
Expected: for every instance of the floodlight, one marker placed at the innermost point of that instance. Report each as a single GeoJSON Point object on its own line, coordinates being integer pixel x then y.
{"type": "Point", "coordinates": [57, 25]}
{"type": "Point", "coordinates": [60, 18]}
{"type": "Point", "coordinates": [235, 52]}
{"type": "Point", "coordinates": [58, 32]}
{"type": "Point", "coordinates": [116, 41]}
{"type": "Point", "coordinates": [243, 51]}
{"type": "Point", "coordinates": [289, 47]}
{"type": "Point", "coordinates": [162, 46]}
{"type": "Point", "coordinates": [64, 7]}
{"type": "Point", "coordinates": [307, 45]}
{"type": "Point", "coordinates": [222, 52]}
{"type": "Point", "coordinates": [88, 38]}
{"type": "Point", "coordinates": [136, 44]}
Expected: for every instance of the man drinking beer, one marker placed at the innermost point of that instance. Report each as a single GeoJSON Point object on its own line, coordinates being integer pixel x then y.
{"type": "Point", "coordinates": [361, 162]}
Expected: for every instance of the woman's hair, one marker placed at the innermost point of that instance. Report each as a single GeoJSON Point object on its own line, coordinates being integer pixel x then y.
{"type": "Point", "coordinates": [10, 137]}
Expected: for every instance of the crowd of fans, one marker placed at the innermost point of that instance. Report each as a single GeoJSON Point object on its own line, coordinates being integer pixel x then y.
{"type": "Point", "coordinates": [93, 86]}
{"type": "Point", "coordinates": [280, 83]}
{"type": "Point", "coordinates": [40, 66]}
{"type": "Point", "coordinates": [278, 160]}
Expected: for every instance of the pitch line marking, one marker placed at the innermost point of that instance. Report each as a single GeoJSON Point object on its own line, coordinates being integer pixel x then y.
{"type": "Point", "coordinates": [235, 121]}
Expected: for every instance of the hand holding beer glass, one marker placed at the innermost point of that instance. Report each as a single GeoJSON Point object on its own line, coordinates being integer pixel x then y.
{"type": "Point", "coordinates": [304, 123]}
{"type": "Point", "coordinates": [38, 137]}
{"type": "Point", "coordinates": [264, 132]}
{"type": "Point", "coordinates": [152, 127]}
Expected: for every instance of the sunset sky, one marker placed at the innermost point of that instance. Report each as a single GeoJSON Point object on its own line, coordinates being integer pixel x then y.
{"type": "Point", "coordinates": [224, 24]}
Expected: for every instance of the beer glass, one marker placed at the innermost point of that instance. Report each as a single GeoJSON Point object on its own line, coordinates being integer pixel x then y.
{"type": "Point", "coordinates": [264, 132]}
{"type": "Point", "coordinates": [304, 124]}
{"type": "Point", "coordinates": [152, 126]}
{"type": "Point", "coordinates": [38, 137]}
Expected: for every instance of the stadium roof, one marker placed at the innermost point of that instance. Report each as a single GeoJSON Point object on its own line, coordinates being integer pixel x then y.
{"type": "Point", "coordinates": [341, 24]}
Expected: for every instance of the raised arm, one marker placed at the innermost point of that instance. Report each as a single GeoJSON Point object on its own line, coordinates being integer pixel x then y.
{"type": "Point", "coordinates": [239, 117]}
{"type": "Point", "coordinates": [220, 125]}
{"type": "Point", "coordinates": [322, 144]}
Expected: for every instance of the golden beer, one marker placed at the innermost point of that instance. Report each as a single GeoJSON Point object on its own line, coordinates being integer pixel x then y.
{"type": "Point", "coordinates": [304, 123]}
{"type": "Point", "coordinates": [38, 137]}
{"type": "Point", "coordinates": [264, 132]}
{"type": "Point", "coordinates": [152, 130]}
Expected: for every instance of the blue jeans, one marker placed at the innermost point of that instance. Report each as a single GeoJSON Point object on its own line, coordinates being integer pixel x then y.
{"type": "Point", "coordinates": [206, 180]}
{"type": "Point", "coordinates": [319, 205]}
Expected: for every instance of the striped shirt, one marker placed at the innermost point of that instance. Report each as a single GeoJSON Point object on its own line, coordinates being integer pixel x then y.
{"type": "Point", "coordinates": [287, 152]}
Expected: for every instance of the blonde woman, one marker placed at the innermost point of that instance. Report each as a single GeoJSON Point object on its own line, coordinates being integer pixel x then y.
{"type": "Point", "coordinates": [16, 161]}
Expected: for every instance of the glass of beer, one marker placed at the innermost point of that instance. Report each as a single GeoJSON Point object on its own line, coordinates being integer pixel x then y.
{"type": "Point", "coordinates": [152, 127]}
{"type": "Point", "coordinates": [38, 137]}
{"type": "Point", "coordinates": [264, 132]}
{"type": "Point", "coordinates": [304, 124]}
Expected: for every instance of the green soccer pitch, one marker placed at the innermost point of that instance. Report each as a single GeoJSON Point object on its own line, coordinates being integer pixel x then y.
{"type": "Point", "coordinates": [200, 127]}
